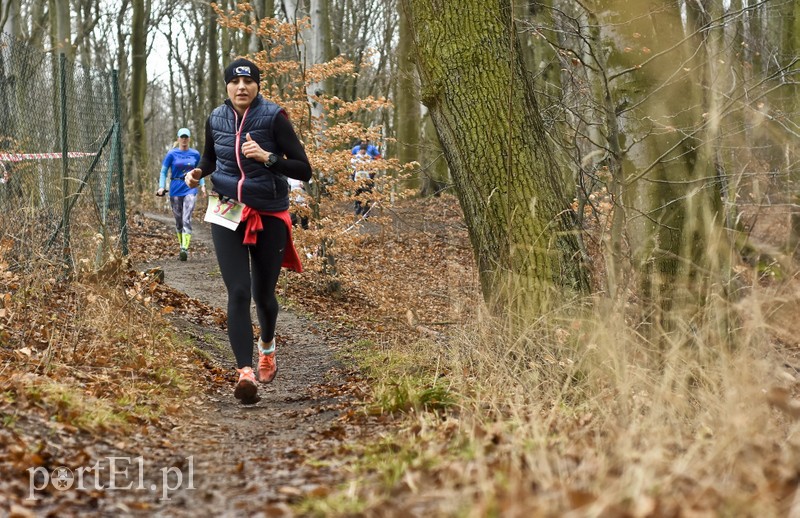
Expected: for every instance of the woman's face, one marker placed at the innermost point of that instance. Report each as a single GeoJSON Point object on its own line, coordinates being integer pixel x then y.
{"type": "Point", "coordinates": [241, 91]}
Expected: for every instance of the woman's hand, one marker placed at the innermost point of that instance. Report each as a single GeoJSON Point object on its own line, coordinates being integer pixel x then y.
{"type": "Point", "coordinates": [192, 178]}
{"type": "Point", "coordinates": [160, 192]}
{"type": "Point", "coordinates": [251, 149]}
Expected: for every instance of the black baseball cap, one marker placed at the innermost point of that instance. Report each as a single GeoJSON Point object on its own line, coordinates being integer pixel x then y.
{"type": "Point", "coordinates": [242, 67]}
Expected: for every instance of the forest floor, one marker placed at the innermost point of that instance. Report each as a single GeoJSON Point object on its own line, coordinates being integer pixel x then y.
{"type": "Point", "coordinates": [124, 377]}
{"type": "Point", "coordinates": [204, 454]}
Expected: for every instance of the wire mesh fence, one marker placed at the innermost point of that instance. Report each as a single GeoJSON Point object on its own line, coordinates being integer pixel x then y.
{"type": "Point", "coordinates": [61, 190]}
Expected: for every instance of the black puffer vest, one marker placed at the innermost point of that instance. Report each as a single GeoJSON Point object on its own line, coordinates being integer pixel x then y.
{"type": "Point", "coordinates": [258, 187]}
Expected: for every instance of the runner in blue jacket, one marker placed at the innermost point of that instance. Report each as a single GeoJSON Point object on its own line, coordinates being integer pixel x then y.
{"type": "Point", "coordinates": [372, 150]}
{"type": "Point", "coordinates": [180, 160]}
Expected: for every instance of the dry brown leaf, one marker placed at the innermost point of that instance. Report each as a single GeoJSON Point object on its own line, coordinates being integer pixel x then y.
{"type": "Point", "coordinates": [579, 498]}
{"type": "Point", "coordinates": [290, 491]}
{"type": "Point", "coordinates": [780, 398]}
{"type": "Point", "coordinates": [17, 511]}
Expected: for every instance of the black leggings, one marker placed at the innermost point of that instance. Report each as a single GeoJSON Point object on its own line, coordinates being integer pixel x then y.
{"type": "Point", "coordinates": [250, 270]}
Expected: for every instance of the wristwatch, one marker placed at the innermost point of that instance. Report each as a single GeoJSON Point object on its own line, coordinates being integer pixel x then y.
{"type": "Point", "coordinates": [271, 160]}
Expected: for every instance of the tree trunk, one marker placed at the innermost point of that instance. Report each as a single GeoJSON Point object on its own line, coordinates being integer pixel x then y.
{"type": "Point", "coordinates": [63, 29]}
{"type": "Point", "coordinates": [173, 88]}
{"type": "Point", "coordinates": [315, 52]}
{"type": "Point", "coordinates": [408, 125]}
{"type": "Point", "coordinates": [311, 46]}
{"type": "Point", "coordinates": [138, 90]}
{"type": "Point", "coordinates": [265, 9]}
{"type": "Point", "coordinates": [226, 36]}
{"type": "Point", "coordinates": [672, 197]}
{"type": "Point", "coordinates": [214, 76]}
{"type": "Point", "coordinates": [10, 19]}
{"type": "Point", "coordinates": [38, 23]}
{"type": "Point", "coordinates": [485, 113]}
{"type": "Point", "coordinates": [540, 55]}
{"type": "Point", "coordinates": [326, 41]}
{"type": "Point", "coordinates": [734, 122]}
{"type": "Point", "coordinates": [434, 172]}
{"type": "Point", "coordinates": [791, 49]}
{"type": "Point", "coordinates": [85, 24]}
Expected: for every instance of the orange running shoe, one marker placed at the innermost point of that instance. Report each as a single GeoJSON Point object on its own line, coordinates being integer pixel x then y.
{"type": "Point", "coordinates": [246, 388]}
{"type": "Point", "coordinates": [267, 368]}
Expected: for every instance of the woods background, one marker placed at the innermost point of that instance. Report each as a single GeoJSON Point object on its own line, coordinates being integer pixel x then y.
{"type": "Point", "coordinates": [679, 114]}
{"type": "Point", "coordinates": [627, 177]}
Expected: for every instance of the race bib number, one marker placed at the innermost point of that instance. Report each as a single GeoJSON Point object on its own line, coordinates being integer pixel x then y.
{"type": "Point", "coordinates": [226, 213]}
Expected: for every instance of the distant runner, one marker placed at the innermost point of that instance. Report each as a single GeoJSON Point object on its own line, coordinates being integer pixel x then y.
{"type": "Point", "coordinates": [180, 160]}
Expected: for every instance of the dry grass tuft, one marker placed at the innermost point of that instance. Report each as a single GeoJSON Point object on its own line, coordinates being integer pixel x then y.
{"type": "Point", "coordinates": [581, 411]}
{"type": "Point", "coordinates": [88, 353]}
{"type": "Point", "coordinates": [591, 410]}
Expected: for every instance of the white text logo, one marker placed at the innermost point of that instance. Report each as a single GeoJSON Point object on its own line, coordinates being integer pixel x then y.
{"type": "Point", "coordinates": [110, 473]}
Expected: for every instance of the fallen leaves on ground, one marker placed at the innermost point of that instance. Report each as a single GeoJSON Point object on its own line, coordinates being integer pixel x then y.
{"type": "Point", "coordinates": [84, 375]}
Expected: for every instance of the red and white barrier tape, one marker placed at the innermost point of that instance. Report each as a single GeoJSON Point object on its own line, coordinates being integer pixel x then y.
{"type": "Point", "coordinates": [19, 157]}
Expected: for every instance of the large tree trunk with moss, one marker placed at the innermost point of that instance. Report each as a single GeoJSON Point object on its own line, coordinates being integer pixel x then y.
{"type": "Point", "coordinates": [484, 110]}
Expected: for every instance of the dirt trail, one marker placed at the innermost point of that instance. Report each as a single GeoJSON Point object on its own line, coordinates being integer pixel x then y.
{"type": "Point", "coordinates": [246, 460]}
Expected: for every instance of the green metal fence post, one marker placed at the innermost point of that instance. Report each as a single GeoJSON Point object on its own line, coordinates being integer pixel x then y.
{"type": "Point", "coordinates": [65, 160]}
{"type": "Point", "coordinates": [123, 220]}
